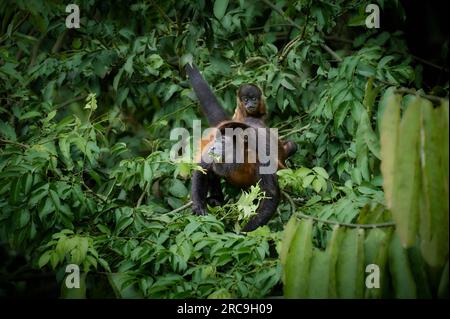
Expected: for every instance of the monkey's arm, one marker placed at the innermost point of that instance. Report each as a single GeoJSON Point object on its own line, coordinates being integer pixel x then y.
{"type": "Point", "coordinates": [267, 207]}
{"type": "Point", "coordinates": [211, 107]}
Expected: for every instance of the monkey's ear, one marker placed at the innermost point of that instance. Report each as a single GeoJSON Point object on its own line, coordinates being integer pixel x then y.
{"type": "Point", "coordinates": [186, 59]}
{"type": "Point", "coordinates": [262, 106]}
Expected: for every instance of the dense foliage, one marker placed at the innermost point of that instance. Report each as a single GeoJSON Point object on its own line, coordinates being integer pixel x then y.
{"type": "Point", "coordinates": [85, 120]}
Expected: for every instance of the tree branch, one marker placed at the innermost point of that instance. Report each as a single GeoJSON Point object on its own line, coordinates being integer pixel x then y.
{"type": "Point", "coordinates": [13, 143]}
{"type": "Point", "coordinates": [332, 222]}
{"type": "Point", "coordinates": [280, 12]}
{"type": "Point", "coordinates": [432, 98]}
{"type": "Point", "coordinates": [188, 204]}
{"type": "Point", "coordinates": [16, 27]}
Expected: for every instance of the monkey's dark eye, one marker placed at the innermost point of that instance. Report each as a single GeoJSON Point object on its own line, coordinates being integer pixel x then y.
{"type": "Point", "coordinates": [253, 99]}
{"type": "Point", "coordinates": [245, 99]}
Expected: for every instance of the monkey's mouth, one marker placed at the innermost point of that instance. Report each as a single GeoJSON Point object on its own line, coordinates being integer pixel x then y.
{"type": "Point", "coordinates": [251, 108]}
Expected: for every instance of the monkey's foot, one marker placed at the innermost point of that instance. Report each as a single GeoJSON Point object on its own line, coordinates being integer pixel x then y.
{"type": "Point", "coordinates": [200, 211]}
{"type": "Point", "coordinates": [214, 202]}
{"type": "Point", "coordinates": [251, 226]}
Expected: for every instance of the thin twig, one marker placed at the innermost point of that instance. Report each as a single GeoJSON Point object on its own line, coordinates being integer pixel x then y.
{"type": "Point", "coordinates": [280, 12]}
{"type": "Point", "coordinates": [295, 131]}
{"type": "Point", "coordinates": [291, 202]}
{"type": "Point", "coordinates": [430, 63]}
{"type": "Point", "coordinates": [188, 204]}
{"type": "Point", "coordinates": [59, 41]}
{"type": "Point", "coordinates": [331, 52]}
{"type": "Point", "coordinates": [433, 98]}
{"type": "Point", "coordinates": [287, 123]}
{"type": "Point", "coordinates": [415, 57]}
{"type": "Point", "coordinates": [75, 99]}
{"type": "Point", "coordinates": [404, 90]}
{"type": "Point", "coordinates": [16, 27]}
{"type": "Point", "coordinates": [13, 143]}
{"type": "Point", "coordinates": [93, 193]}
{"type": "Point", "coordinates": [349, 225]}
{"type": "Point", "coordinates": [332, 222]}
{"type": "Point", "coordinates": [164, 15]}
{"type": "Point", "coordinates": [145, 191]}
{"type": "Point", "coordinates": [291, 44]}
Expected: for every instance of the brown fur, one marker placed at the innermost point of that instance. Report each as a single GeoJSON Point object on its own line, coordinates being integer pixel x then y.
{"type": "Point", "coordinates": [246, 174]}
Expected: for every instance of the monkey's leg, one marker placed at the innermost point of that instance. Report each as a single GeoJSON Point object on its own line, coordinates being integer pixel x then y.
{"type": "Point", "coordinates": [215, 190]}
{"type": "Point", "coordinates": [199, 192]}
{"type": "Point", "coordinates": [267, 207]}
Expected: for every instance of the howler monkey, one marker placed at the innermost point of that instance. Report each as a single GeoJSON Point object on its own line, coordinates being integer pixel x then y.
{"type": "Point", "coordinates": [249, 116]}
{"type": "Point", "coordinates": [251, 109]}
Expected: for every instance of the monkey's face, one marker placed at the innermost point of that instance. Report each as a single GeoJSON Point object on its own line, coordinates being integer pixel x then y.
{"type": "Point", "coordinates": [250, 98]}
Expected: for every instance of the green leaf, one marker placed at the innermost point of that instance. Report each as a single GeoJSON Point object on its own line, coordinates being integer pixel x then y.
{"type": "Point", "coordinates": [318, 286]}
{"type": "Point", "coordinates": [123, 223]}
{"type": "Point", "coordinates": [362, 159]}
{"type": "Point", "coordinates": [390, 122]}
{"type": "Point", "coordinates": [443, 284]}
{"type": "Point", "coordinates": [356, 176]}
{"type": "Point", "coordinates": [24, 218]}
{"type": "Point", "coordinates": [178, 189]}
{"type": "Point", "coordinates": [191, 227]}
{"type": "Point", "coordinates": [402, 277]}
{"type": "Point", "coordinates": [29, 115]}
{"type": "Point", "coordinates": [128, 66]}
{"type": "Point", "coordinates": [321, 171]}
{"type": "Point", "coordinates": [406, 191]}
{"type": "Point", "coordinates": [288, 234]}
{"type": "Point", "coordinates": [7, 131]}
{"type": "Point", "coordinates": [298, 261]}
{"type": "Point", "coordinates": [104, 229]}
{"type": "Point", "coordinates": [333, 250]}
{"type": "Point", "coordinates": [148, 174]}
{"type": "Point", "coordinates": [420, 273]}
{"type": "Point", "coordinates": [55, 199]}
{"type": "Point", "coordinates": [284, 82]}
{"type": "Point", "coordinates": [302, 171]}
{"type": "Point", "coordinates": [350, 265]}
{"type": "Point", "coordinates": [341, 114]}
{"type": "Point", "coordinates": [117, 79]}
{"type": "Point", "coordinates": [45, 258]}
{"type": "Point", "coordinates": [376, 251]}
{"type": "Point", "coordinates": [220, 7]}
{"type": "Point", "coordinates": [308, 180]}
{"type": "Point", "coordinates": [220, 294]}
{"type": "Point", "coordinates": [317, 185]}
{"type": "Point", "coordinates": [64, 146]}
{"type": "Point", "coordinates": [370, 95]}
{"type": "Point", "coordinates": [434, 214]}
